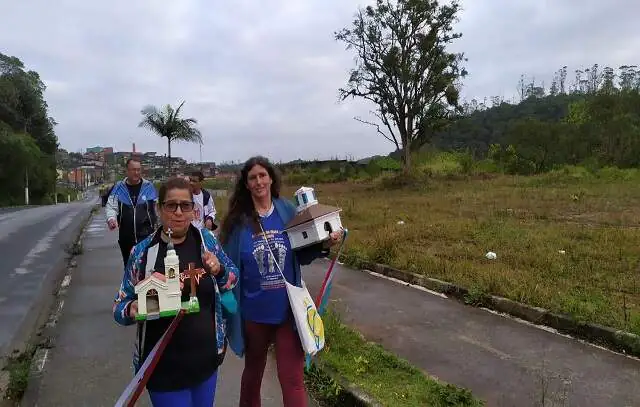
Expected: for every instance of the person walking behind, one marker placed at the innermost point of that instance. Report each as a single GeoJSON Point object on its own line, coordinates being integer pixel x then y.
{"type": "Point", "coordinates": [186, 373]}
{"type": "Point", "coordinates": [265, 316]}
{"type": "Point", "coordinates": [131, 207]}
{"type": "Point", "coordinates": [204, 213]}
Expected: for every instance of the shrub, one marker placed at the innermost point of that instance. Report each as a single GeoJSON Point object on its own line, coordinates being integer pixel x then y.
{"type": "Point", "coordinates": [466, 161]}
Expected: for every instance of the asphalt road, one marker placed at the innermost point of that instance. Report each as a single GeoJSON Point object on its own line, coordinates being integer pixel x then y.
{"type": "Point", "coordinates": [505, 362]}
{"type": "Point", "coordinates": [32, 247]}
{"type": "Point", "coordinates": [14, 209]}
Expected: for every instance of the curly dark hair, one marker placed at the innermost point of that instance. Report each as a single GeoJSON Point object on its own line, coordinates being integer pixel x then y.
{"type": "Point", "coordinates": [171, 184]}
{"type": "Point", "coordinates": [241, 209]}
{"type": "Point", "coordinates": [198, 174]}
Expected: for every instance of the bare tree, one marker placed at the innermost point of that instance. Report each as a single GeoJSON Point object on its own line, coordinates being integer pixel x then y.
{"type": "Point", "coordinates": [404, 68]}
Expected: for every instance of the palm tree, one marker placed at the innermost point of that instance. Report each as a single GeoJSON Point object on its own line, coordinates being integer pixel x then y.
{"type": "Point", "coordinates": [167, 123]}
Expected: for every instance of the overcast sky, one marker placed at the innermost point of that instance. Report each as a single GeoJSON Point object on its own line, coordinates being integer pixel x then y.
{"type": "Point", "coordinates": [262, 76]}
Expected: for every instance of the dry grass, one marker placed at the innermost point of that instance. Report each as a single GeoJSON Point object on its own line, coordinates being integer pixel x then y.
{"type": "Point", "coordinates": [450, 224]}
{"type": "Point", "coordinates": [449, 227]}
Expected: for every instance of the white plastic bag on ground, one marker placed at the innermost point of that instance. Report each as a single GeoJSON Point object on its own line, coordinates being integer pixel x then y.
{"type": "Point", "coordinates": [491, 256]}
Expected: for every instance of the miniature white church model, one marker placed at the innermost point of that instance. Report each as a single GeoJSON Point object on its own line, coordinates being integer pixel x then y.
{"type": "Point", "coordinates": [160, 295]}
{"type": "Point", "coordinates": [313, 221]}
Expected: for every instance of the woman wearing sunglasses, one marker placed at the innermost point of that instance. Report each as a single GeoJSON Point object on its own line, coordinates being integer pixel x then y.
{"type": "Point", "coordinates": [186, 373]}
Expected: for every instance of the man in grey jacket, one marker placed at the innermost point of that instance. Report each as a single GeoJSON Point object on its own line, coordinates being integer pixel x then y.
{"type": "Point", "coordinates": [131, 207]}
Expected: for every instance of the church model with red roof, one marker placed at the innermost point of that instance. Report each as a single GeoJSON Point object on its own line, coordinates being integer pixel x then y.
{"type": "Point", "coordinates": [313, 222]}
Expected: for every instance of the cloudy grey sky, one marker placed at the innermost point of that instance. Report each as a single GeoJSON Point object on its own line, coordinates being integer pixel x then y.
{"type": "Point", "coordinates": [262, 76]}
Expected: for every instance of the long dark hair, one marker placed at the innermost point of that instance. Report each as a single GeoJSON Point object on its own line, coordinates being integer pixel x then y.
{"type": "Point", "coordinates": [241, 209]}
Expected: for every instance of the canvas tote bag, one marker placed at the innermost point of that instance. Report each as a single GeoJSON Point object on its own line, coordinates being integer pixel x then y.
{"type": "Point", "coordinates": [308, 321]}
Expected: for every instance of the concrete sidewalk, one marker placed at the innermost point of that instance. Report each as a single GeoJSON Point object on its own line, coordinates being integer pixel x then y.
{"type": "Point", "coordinates": [503, 361]}
{"type": "Point", "coordinates": [90, 363]}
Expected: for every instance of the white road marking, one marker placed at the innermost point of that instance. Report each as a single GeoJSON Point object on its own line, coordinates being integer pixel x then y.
{"type": "Point", "coordinates": [417, 287]}
{"type": "Point", "coordinates": [42, 245]}
{"type": "Point", "coordinates": [485, 346]}
{"type": "Point", "coordinates": [507, 316]}
{"type": "Point", "coordinates": [556, 332]}
{"type": "Point", "coordinates": [60, 307]}
{"type": "Point", "coordinates": [14, 221]}
{"type": "Point", "coordinates": [42, 360]}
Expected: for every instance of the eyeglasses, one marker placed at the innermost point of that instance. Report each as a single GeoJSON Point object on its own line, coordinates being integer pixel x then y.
{"type": "Point", "coordinates": [173, 206]}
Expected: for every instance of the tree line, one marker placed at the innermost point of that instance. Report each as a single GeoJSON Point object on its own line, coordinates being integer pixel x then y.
{"type": "Point", "coordinates": [593, 120]}
{"type": "Point", "coordinates": [28, 142]}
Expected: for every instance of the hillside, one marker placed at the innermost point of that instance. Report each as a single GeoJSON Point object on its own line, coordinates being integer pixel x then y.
{"type": "Point", "coordinates": [481, 128]}
{"type": "Point", "coordinates": [596, 122]}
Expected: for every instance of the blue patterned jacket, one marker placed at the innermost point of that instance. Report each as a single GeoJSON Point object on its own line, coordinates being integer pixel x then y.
{"type": "Point", "coordinates": [140, 266]}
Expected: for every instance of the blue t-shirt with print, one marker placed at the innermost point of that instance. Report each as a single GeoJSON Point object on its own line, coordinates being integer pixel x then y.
{"type": "Point", "coordinates": [264, 294]}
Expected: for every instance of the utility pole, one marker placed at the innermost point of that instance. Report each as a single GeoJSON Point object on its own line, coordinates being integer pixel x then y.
{"type": "Point", "coordinates": [55, 180]}
{"type": "Point", "coordinates": [26, 187]}
{"type": "Point", "coordinates": [26, 170]}
{"type": "Point", "coordinates": [200, 153]}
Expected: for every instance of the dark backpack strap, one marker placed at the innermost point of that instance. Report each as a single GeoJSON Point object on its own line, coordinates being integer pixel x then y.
{"type": "Point", "coordinates": [205, 197]}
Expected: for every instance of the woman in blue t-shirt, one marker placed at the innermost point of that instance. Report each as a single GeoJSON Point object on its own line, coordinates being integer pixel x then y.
{"type": "Point", "coordinates": [265, 316]}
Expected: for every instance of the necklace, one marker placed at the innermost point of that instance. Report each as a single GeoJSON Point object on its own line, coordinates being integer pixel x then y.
{"type": "Point", "coordinates": [266, 213]}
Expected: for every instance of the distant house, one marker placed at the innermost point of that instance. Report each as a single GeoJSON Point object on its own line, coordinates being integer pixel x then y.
{"type": "Point", "coordinates": [304, 165]}
{"type": "Point", "coordinates": [208, 169]}
{"type": "Point", "coordinates": [365, 161]}
{"type": "Point", "coordinates": [232, 177]}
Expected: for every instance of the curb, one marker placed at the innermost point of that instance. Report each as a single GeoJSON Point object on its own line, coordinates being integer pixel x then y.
{"type": "Point", "coordinates": [39, 330]}
{"type": "Point", "coordinates": [354, 394]}
{"type": "Point", "coordinates": [11, 208]}
{"type": "Point", "coordinates": [611, 338]}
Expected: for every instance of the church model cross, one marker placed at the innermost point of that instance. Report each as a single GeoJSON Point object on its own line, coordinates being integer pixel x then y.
{"type": "Point", "coordinates": [194, 275]}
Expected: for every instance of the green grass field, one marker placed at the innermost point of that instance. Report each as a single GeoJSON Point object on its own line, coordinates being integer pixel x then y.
{"type": "Point", "coordinates": [567, 240]}
{"type": "Point", "coordinates": [390, 380]}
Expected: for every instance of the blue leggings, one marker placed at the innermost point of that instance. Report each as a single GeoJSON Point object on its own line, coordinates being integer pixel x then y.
{"type": "Point", "coordinates": [202, 395]}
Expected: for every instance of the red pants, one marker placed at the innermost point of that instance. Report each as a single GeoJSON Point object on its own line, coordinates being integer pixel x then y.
{"type": "Point", "coordinates": [289, 360]}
